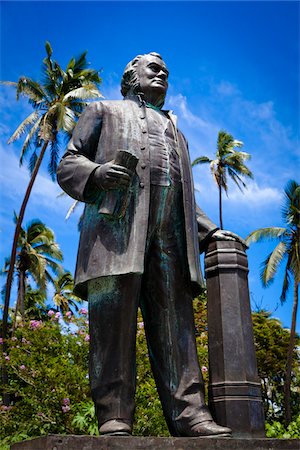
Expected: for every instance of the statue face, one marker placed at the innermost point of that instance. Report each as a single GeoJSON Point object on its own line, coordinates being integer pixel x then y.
{"type": "Point", "coordinates": [153, 78]}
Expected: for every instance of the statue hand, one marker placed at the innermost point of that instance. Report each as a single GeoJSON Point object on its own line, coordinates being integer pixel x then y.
{"type": "Point", "coordinates": [224, 235]}
{"type": "Point", "coordinates": [112, 176]}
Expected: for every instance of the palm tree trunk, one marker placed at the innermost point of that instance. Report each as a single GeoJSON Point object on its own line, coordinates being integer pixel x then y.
{"type": "Point", "coordinates": [220, 207]}
{"type": "Point", "coordinates": [287, 383]}
{"type": "Point", "coordinates": [14, 250]}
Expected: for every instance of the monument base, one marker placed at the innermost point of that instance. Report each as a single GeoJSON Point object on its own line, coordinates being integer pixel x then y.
{"type": "Point", "coordinates": [71, 442]}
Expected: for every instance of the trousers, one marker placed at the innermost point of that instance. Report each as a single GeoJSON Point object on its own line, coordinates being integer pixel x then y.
{"type": "Point", "coordinates": [164, 295]}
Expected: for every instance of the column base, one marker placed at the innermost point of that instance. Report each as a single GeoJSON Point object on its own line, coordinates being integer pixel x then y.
{"type": "Point", "coordinates": [70, 442]}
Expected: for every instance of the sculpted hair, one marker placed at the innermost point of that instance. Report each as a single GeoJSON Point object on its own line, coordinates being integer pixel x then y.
{"type": "Point", "coordinates": [130, 79]}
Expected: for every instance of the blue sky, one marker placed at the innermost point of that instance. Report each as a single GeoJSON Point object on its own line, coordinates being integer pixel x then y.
{"type": "Point", "coordinates": [233, 66]}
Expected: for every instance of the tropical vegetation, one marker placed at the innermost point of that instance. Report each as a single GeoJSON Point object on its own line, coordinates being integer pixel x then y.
{"type": "Point", "coordinates": [57, 102]}
{"type": "Point", "coordinates": [228, 162]}
{"type": "Point", "coordinates": [287, 252]}
{"type": "Point", "coordinates": [38, 257]}
{"type": "Point", "coordinates": [53, 352]}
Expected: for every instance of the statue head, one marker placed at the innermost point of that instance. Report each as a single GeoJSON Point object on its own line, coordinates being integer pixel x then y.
{"type": "Point", "coordinates": [146, 75]}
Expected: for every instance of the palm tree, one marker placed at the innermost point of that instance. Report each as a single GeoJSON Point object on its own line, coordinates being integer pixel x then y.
{"type": "Point", "coordinates": [63, 296]}
{"type": "Point", "coordinates": [287, 249]}
{"type": "Point", "coordinates": [228, 161]}
{"type": "Point", "coordinates": [57, 102]}
{"type": "Point", "coordinates": [38, 256]}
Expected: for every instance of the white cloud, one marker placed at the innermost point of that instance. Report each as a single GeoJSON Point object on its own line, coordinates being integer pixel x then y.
{"type": "Point", "coordinates": [254, 195]}
{"type": "Point", "coordinates": [226, 88]}
{"type": "Point", "coordinates": [14, 181]}
{"type": "Point", "coordinates": [179, 102]}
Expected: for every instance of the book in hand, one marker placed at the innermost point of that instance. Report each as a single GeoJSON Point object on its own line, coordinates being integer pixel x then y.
{"type": "Point", "coordinates": [115, 201]}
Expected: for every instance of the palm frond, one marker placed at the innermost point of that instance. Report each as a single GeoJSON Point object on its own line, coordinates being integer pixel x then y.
{"type": "Point", "coordinates": [10, 83]}
{"type": "Point", "coordinates": [54, 158]}
{"type": "Point", "coordinates": [267, 233]}
{"type": "Point", "coordinates": [270, 265]}
{"type": "Point", "coordinates": [31, 89]}
{"type": "Point", "coordinates": [72, 209]}
{"type": "Point", "coordinates": [48, 49]}
{"type": "Point", "coordinates": [83, 93]}
{"type": "Point", "coordinates": [23, 126]}
{"type": "Point", "coordinates": [30, 136]}
{"type": "Point", "coordinates": [32, 162]}
{"type": "Point", "coordinates": [291, 207]}
{"type": "Point", "coordinates": [201, 160]}
{"type": "Point", "coordinates": [238, 181]}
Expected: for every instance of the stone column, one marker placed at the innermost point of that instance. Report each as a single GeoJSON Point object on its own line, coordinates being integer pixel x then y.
{"type": "Point", "coordinates": [234, 390]}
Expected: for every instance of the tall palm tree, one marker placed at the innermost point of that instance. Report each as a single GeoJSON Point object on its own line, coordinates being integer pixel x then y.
{"type": "Point", "coordinates": [287, 250]}
{"type": "Point", "coordinates": [228, 161]}
{"type": "Point", "coordinates": [57, 102]}
{"type": "Point", "coordinates": [63, 297]}
{"type": "Point", "coordinates": [38, 257]}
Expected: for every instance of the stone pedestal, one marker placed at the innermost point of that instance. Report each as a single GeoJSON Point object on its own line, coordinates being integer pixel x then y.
{"type": "Point", "coordinates": [56, 442]}
{"type": "Point", "coordinates": [234, 390]}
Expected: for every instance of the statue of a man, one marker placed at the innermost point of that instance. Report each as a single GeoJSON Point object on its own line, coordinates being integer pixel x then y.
{"type": "Point", "coordinates": [144, 254]}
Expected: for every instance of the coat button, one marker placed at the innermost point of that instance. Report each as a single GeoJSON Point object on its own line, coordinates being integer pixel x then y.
{"type": "Point", "coordinates": [143, 117]}
{"type": "Point", "coordinates": [143, 166]}
{"type": "Point", "coordinates": [144, 131]}
{"type": "Point", "coordinates": [143, 148]}
{"type": "Point", "coordinates": [142, 185]}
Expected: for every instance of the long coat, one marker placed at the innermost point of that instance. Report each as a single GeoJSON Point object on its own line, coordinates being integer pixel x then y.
{"type": "Point", "coordinates": [116, 246]}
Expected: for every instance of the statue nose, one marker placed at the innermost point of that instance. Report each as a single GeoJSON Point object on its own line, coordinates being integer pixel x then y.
{"type": "Point", "coordinates": [162, 75]}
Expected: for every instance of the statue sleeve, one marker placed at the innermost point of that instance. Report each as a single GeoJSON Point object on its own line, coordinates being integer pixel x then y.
{"type": "Point", "coordinates": [77, 165]}
{"type": "Point", "coordinates": [205, 228]}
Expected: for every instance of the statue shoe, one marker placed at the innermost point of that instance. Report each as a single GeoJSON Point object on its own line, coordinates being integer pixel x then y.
{"type": "Point", "coordinates": [115, 427]}
{"type": "Point", "coordinates": [209, 429]}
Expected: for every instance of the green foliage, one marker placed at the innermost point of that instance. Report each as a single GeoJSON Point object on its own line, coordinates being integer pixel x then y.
{"type": "Point", "coordinates": [288, 239]}
{"type": "Point", "coordinates": [277, 430]}
{"type": "Point", "coordinates": [85, 419]}
{"type": "Point", "coordinates": [287, 249]}
{"type": "Point", "coordinates": [272, 342]}
{"type": "Point", "coordinates": [57, 100]}
{"type": "Point", "coordinates": [47, 369]}
{"type": "Point", "coordinates": [48, 366]}
{"type": "Point", "coordinates": [149, 420]}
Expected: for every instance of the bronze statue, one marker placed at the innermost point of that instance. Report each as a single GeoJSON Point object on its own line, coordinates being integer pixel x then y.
{"type": "Point", "coordinates": [139, 246]}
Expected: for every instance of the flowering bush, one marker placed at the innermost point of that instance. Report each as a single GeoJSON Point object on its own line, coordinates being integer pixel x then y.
{"type": "Point", "coordinates": [47, 363]}
{"type": "Point", "coordinates": [47, 367]}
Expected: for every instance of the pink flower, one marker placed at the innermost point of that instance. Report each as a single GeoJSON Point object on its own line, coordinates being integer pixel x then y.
{"type": "Point", "coordinates": [66, 401]}
{"type": "Point", "coordinates": [57, 315]}
{"type": "Point", "coordinates": [35, 324]}
{"type": "Point", "coordinates": [204, 369]}
{"type": "Point", "coordinates": [83, 311]}
{"type": "Point", "coordinates": [40, 414]}
{"type": "Point", "coordinates": [50, 312]}
{"type": "Point", "coordinates": [87, 338]}
{"type": "Point", "coordinates": [141, 324]}
{"type": "Point", "coordinates": [7, 358]}
{"type": "Point", "coordinates": [22, 367]}
{"type": "Point", "coordinates": [65, 408]}
{"type": "Point", "coordinates": [5, 408]}
{"type": "Point", "coordinates": [1, 340]}
{"type": "Point", "coordinates": [14, 338]}
{"type": "Point", "coordinates": [68, 314]}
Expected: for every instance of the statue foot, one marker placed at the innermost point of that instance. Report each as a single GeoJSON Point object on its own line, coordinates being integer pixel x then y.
{"type": "Point", "coordinates": [208, 429]}
{"type": "Point", "coordinates": [115, 427]}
